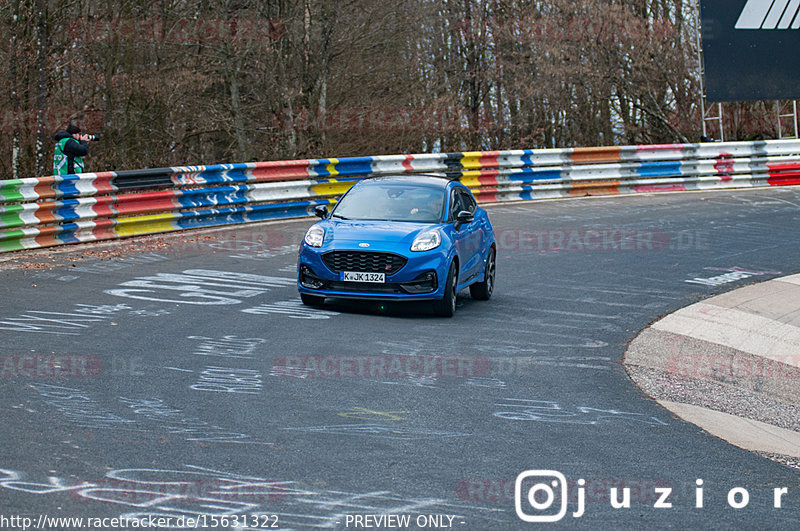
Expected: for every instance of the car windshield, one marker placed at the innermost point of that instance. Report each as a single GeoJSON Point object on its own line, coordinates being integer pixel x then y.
{"type": "Point", "coordinates": [392, 202]}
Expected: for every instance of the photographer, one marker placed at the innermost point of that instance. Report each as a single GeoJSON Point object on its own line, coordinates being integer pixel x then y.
{"type": "Point", "coordinates": [71, 147]}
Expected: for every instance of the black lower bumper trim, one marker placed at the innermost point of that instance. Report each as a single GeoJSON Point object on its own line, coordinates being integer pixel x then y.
{"type": "Point", "coordinates": [424, 283]}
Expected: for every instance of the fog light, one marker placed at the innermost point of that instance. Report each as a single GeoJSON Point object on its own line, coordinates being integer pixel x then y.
{"type": "Point", "coordinates": [425, 283]}
{"type": "Point", "coordinates": [309, 280]}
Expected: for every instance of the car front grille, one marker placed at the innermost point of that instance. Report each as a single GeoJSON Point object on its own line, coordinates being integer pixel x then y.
{"type": "Point", "coordinates": [365, 261]}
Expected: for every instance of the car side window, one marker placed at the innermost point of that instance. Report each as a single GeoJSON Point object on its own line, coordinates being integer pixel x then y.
{"type": "Point", "coordinates": [455, 204]}
{"type": "Point", "coordinates": [469, 202]}
{"type": "Point", "coordinates": [461, 201]}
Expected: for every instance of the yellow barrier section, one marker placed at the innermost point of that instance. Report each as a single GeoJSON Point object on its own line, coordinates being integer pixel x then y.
{"type": "Point", "coordinates": [144, 224]}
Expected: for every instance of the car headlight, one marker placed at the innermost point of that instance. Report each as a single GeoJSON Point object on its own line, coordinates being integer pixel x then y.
{"type": "Point", "coordinates": [426, 241]}
{"type": "Point", "coordinates": [314, 236]}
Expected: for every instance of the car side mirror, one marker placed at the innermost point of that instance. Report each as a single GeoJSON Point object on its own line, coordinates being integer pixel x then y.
{"type": "Point", "coordinates": [321, 211]}
{"type": "Point", "coordinates": [463, 217]}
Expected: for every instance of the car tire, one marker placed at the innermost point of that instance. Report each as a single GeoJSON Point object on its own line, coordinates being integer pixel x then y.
{"type": "Point", "coordinates": [482, 291]}
{"type": "Point", "coordinates": [447, 306]}
{"type": "Point", "coordinates": [312, 300]}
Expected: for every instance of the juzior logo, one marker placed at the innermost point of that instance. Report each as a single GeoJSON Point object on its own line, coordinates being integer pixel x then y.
{"type": "Point", "coordinates": [769, 15]}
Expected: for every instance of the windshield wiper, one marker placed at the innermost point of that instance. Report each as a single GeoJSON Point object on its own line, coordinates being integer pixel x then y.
{"type": "Point", "coordinates": [338, 216]}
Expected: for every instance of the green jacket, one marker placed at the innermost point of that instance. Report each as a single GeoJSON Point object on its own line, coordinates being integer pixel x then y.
{"type": "Point", "coordinates": [69, 153]}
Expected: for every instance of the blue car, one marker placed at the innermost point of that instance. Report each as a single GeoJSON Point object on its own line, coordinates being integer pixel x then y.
{"type": "Point", "coordinates": [400, 238]}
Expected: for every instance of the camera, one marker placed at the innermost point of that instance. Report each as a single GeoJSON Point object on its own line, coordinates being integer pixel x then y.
{"type": "Point", "coordinates": [93, 138]}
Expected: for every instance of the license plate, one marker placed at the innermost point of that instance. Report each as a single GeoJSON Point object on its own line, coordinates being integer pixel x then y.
{"type": "Point", "coordinates": [360, 276]}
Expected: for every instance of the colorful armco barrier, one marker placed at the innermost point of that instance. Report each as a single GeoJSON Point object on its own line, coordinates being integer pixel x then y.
{"type": "Point", "coordinates": [46, 211]}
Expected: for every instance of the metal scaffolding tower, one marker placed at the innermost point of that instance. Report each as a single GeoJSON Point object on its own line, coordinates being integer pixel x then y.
{"type": "Point", "coordinates": [709, 114]}
{"type": "Point", "coordinates": [787, 114]}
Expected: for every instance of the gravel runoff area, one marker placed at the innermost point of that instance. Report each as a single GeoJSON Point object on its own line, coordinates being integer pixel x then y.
{"type": "Point", "coordinates": [694, 362]}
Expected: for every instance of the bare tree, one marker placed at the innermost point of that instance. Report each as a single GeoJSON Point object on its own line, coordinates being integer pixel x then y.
{"type": "Point", "coordinates": [172, 82]}
{"type": "Point", "coordinates": [42, 49]}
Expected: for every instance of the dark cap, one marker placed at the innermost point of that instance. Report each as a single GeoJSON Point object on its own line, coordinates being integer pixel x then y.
{"type": "Point", "coordinates": [72, 129]}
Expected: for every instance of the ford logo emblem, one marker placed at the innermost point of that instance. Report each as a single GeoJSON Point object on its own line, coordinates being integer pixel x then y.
{"type": "Point", "coordinates": [363, 244]}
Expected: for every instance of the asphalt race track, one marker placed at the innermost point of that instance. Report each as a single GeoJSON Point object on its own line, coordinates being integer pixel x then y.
{"type": "Point", "coordinates": [184, 379]}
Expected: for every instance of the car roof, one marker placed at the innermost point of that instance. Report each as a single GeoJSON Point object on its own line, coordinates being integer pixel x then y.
{"type": "Point", "coordinates": [427, 180]}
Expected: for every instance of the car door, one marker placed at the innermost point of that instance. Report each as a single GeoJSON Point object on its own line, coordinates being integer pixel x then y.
{"type": "Point", "coordinates": [468, 238]}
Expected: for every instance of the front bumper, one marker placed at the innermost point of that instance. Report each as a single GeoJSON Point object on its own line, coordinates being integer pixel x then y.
{"type": "Point", "coordinates": [420, 278]}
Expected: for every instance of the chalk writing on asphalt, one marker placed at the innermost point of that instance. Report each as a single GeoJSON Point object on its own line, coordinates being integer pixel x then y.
{"type": "Point", "coordinates": [145, 415]}
{"type": "Point", "coordinates": [550, 411]}
{"type": "Point", "coordinates": [204, 287]}
{"type": "Point", "coordinates": [193, 490]}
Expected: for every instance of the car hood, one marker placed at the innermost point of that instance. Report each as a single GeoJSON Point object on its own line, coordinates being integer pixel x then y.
{"type": "Point", "coordinates": [374, 231]}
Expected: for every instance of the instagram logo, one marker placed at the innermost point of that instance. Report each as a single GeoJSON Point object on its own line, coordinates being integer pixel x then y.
{"type": "Point", "coordinates": [544, 491]}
